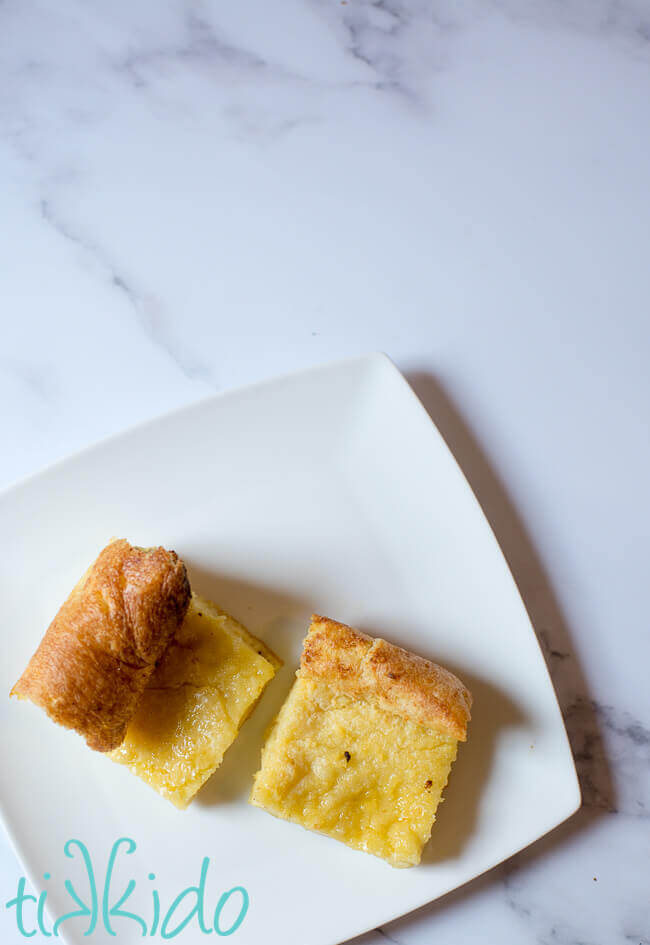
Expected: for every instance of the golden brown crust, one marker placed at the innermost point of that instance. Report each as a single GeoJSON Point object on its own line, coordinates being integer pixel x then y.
{"type": "Point", "coordinates": [402, 682]}
{"type": "Point", "coordinates": [97, 655]}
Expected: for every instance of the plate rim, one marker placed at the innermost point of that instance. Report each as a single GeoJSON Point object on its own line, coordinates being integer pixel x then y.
{"type": "Point", "coordinates": [383, 361]}
{"type": "Point", "coordinates": [376, 357]}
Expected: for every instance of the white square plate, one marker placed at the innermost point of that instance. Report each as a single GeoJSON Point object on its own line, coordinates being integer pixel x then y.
{"type": "Point", "coordinates": [327, 491]}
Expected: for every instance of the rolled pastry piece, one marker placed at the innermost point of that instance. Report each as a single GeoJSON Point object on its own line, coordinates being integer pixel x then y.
{"type": "Point", "coordinates": [98, 654]}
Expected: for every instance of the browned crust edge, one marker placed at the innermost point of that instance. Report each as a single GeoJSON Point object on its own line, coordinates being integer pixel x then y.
{"type": "Point", "coordinates": [402, 682]}
{"type": "Point", "coordinates": [97, 655]}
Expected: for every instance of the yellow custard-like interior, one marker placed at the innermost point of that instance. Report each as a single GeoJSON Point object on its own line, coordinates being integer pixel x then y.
{"type": "Point", "coordinates": [352, 770]}
{"type": "Point", "coordinates": [205, 686]}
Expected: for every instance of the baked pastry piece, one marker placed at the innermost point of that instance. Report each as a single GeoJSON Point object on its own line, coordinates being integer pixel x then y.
{"type": "Point", "coordinates": [362, 748]}
{"type": "Point", "coordinates": [98, 654]}
{"type": "Point", "coordinates": [203, 689]}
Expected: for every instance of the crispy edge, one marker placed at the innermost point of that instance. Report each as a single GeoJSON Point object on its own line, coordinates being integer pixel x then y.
{"type": "Point", "coordinates": [97, 655]}
{"type": "Point", "coordinates": [401, 681]}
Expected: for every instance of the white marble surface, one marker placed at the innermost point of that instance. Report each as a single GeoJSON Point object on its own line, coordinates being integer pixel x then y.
{"type": "Point", "coordinates": [195, 195]}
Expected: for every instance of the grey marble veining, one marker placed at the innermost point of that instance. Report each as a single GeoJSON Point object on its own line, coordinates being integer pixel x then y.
{"type": "Point", "coordinates": [147, 309]}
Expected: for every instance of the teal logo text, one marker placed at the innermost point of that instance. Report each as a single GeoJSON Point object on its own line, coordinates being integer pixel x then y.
{"type": "Point", "coordinates": [107, 906]}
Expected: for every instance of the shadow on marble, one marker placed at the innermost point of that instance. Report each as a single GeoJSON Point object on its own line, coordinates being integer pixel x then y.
{"type": "Point", "coordinates": [278, 618]}
{"type": "Point", "coordinates": [580, 712]}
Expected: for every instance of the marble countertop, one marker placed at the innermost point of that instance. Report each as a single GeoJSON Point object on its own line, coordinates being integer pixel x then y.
{"type": "Point", "coordinates": [196, 195]}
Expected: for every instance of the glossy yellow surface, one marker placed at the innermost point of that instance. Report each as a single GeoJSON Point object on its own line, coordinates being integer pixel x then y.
{"type": "Point", "coordinates": [201, 692]}
{"type": "Point", "coordinates": [350, 769]}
